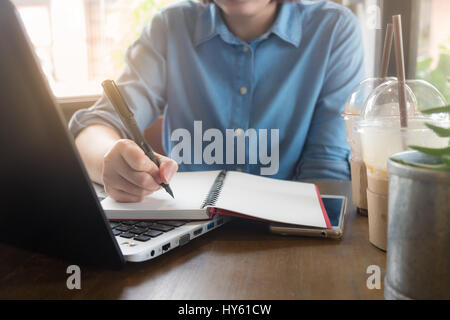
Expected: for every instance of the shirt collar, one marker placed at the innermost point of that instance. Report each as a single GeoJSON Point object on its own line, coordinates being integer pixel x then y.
{"type": "Point", "coordinates": [288, 25]}
{"type": "Point", "coordinates": [209, 24]}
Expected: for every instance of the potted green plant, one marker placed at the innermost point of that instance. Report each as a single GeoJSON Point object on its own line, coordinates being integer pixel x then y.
{"type": "Point", "coordinates": [418, 254]}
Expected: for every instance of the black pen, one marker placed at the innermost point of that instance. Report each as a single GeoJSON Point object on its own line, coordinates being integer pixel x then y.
{"type": "Point", "coordinates": [128, 120]}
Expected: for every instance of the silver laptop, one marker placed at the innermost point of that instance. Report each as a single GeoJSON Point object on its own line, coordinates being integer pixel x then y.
{"type": "Point", "coordinates": [156, 238]}
{"type": "Point", "coordinates": [144, 240]}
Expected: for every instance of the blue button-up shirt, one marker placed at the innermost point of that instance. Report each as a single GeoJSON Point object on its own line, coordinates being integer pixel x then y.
{"type": "Point", "coordinates": [295, 78]}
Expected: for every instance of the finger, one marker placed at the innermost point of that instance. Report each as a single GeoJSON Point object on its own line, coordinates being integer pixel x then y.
{"type": "Point", "coordinates": [122, 196]}
{"type": "Point", "coordinates": [135, 157]}
{"type": "Point", "coordinates": [142, 180]}
{"type": "Point", "coordinates": [121, 183]}
{"type": "Point", "coordinates": [167, 168]}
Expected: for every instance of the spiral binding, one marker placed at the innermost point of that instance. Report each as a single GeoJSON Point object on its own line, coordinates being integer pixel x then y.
{"type": "Point", "coordinates": [214, 192]}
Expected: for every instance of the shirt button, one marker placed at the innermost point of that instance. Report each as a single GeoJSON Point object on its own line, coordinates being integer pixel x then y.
{"type": "Point", "coordinates": [239, 132]}
{"type": "Point", "coordinates": [245, 48]}
{"type": "Point", "coordinates": [243, 90]}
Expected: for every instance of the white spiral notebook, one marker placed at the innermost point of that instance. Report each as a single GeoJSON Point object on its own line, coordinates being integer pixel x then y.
{"type": "Point", "coordinates": [199, 195]}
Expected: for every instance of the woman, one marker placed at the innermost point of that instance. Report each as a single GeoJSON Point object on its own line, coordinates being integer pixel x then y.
{"type": "Point", "coordinates": [285, 67]}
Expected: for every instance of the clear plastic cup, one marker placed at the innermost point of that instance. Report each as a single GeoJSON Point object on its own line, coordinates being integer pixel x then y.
{"type": "Point", "coordinates": [381, 136]}
{"type": "Point", "coordinates": [352, 115]}
{"type": "Point", "coordinates": [352, 112]}
{"type": "Point", "coordinates": [379, 128]}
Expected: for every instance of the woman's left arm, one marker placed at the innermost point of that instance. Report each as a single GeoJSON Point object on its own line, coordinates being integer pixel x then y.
{"type": "Point", "coordinates": [326, 152]}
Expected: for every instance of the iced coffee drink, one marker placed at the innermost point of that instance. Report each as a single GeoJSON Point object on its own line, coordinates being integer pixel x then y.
{"type": "Point", "coordinates": [381, 136]}
{"type": "Point", "coordinates": [352, 115]}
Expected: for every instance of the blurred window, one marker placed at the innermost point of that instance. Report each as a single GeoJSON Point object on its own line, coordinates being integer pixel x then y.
{"type": "Point", "coordinates": [82, 42]}
{"type": "Point", "coordinates": [433, 56]}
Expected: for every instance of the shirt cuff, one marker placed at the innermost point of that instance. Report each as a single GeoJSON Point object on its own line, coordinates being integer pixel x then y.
{"type": "Point", "coordinates": [86, 117]}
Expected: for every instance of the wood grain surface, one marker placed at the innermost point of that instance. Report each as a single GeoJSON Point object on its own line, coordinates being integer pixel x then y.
{"type": "Point", "coordinates": [240, 260]}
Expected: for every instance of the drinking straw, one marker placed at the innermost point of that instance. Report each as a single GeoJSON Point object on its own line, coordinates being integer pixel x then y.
{"type": "Point", "coordinates": [387, 50]}
{"type": "Point", "coordinates": [400, 64]}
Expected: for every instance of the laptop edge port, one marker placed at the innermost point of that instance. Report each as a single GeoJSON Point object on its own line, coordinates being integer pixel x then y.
{"type": "Point", "coordinates": [184, 239]}
{"type": "Point", "coordinates": [210, 226]}
{"type": "Point", "coordinates": [198, 231]}
{"type": "Point", "coordinates": [166, 247]}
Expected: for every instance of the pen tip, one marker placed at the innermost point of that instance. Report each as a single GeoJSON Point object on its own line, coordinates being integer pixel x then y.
{"type": "Point", "coordinates": [169, 191]}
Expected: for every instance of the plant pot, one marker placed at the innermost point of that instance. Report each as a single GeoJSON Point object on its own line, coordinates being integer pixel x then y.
{"type": "Point", "coordinates": [418, 254]}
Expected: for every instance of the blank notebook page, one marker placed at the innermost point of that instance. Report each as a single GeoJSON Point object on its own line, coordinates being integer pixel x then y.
{"type": "Point", "coordinates": [190, 190]}
{"type": "Point", "coordinates": [271, 199]}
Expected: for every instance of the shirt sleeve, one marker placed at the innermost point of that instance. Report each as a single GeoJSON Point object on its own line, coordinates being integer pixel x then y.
{"type": "Point", "coordinates": [326, 152]}
{"type": "Point", "coordinates": [142, 83]}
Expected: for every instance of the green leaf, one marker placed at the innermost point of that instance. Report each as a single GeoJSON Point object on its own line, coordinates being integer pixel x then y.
{"type": "Point", "coordinates": [424, 65]}
{"type": "Point", "coordinates": [437, 167]}
{"type": "Point", "coordinates": [437, 110]}
{"type": "Point", "coordinates": [442, 47]}
{"type": "Point", "coordinates": [441, 132]}
{"type": "Point", "coordinates": [432, 151]}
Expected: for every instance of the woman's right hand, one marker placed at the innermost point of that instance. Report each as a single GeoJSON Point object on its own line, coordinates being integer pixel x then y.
{"type": "Point", "coordinates": [129, 175]}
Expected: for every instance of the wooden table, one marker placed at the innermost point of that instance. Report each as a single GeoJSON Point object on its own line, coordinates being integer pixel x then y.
{"type": "Point", "coordinates": [241, 260]}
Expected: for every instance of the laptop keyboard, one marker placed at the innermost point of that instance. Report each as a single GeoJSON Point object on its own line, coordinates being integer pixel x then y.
{"type": "Point", "coordinates": [143, 230]}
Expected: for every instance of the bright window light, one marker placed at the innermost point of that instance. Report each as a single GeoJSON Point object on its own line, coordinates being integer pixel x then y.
{"type": "Point", "coordinates": [433, 56]}
{"type": "Point", "coordinates": [80, 43]}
